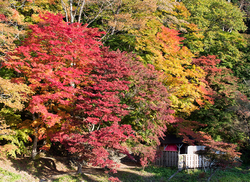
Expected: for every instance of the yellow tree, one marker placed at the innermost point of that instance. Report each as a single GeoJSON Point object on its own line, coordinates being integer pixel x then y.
{"type": "Point", "coordinates": [12, 28]}
{"type": "Point", "coordinates": [31, 9]}
{"type": "Point", "coordinates": [12, 95]}
{"type": "Point", "coordinates": [12, 99]}
{"type": "Point", "coordinates": [121, 16]}
{"type": "Point", "coordinates": [176, 16]}
{"type": "Point", "coordinates": [162, 47]}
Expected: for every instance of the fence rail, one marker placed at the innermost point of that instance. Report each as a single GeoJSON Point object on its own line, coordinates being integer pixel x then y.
{"type": "Point", "coordinates": [172, 158]}
{"type": "Point", "coordinates": [167, 159]}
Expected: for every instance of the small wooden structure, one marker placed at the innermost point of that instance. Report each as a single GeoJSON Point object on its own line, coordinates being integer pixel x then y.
{"type": "Point", "coordinates": [173, 152]}
{"type": "Point", "coordinates": [167, 159]}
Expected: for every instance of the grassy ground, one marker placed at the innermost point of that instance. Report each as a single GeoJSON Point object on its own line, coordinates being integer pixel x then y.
{"type": "Point", "coordinates": [56, 170]}
{"type": "Point", "coordinates": [8, 176]}
{"type": "Point", "coordinates": [237, 174]}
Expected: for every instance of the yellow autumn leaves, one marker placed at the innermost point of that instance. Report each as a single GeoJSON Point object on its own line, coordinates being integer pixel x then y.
{"type": "Point", "coordinates": [13, 95]}
{"type": "Point", "coordinates": [161, 47]}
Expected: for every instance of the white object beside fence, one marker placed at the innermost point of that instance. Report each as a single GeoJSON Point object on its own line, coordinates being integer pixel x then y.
{"type": "Point", "coordinates": [193, 149]}
{"type": "Point", "coordinates": [192, 161]}
{"type": "Point", "coordinates": [170, 158]}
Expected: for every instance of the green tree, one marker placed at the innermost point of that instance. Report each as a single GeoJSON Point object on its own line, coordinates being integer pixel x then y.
{"type": "Point", "coordinates": [221, 32]}
{"type": "Point", "coordinates": [219, 118]}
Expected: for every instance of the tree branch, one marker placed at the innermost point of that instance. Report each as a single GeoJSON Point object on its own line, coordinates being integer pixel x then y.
{"type": "Point", "coordinates": [65, 10]}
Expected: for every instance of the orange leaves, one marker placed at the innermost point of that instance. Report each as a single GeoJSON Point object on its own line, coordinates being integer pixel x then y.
{"type": "Point", "coordinates": [41, 132]}
{"type": "Point", "coordinates": [161, 47]}
{"type": "Point", "coordinates": [181, 11]}
{"type": "Point", "coordinates": [8, 148]}
{"type": "Point", "coordinates": [46, 147]}
{"type": "Point", "coordinates": [9, 31]}
{"type": "Point", "coordinates": [170, 40]}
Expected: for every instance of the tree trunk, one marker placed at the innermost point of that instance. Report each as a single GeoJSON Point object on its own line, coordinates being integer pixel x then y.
{"type": "Point", "coordinates": [34, 148]}
{"type": "Point", "coordinates": [179, 170]}
{"type": "Point", "coordinates": [79, 167]}
{"type": "Point", "coordinates": [212, 173]}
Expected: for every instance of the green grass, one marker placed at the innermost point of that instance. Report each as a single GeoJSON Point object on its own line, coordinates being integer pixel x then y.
{"type": "Point", "coordinates": [235, 174]}
{"type": "Point", "coordinates": [72, 178]}
{"type": "Point", "coordinates": [68, 178]}
{"type": "Point", "coordinates": [163, 174]}
{"type": "Point", "coordinates": [6, 176]}
{"type": "Point", "coordinates": [239, 174]}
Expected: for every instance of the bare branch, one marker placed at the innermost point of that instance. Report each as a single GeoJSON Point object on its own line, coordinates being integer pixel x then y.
{"type": "Point", "coordinates": [101, 10]}
{"type": "Point", "coordinates": [71, 11]}
{"type": "Point", "coordinates": [65, 10]}
{"type": "Point", "coordinates": [81, 10]}
{"type": "Point", "coordinates": [174, 174]}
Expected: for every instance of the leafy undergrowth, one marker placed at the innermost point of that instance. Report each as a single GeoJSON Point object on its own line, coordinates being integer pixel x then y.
{"type": "Point", "coordinates": [57, 170]}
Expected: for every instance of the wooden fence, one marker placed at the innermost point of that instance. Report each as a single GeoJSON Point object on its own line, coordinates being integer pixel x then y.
{"type": "Point", "coordinates": [167, 159]}
{"type": "Point", "coordinates": [170, 158]}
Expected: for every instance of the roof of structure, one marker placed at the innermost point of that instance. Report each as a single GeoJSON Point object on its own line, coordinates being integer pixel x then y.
{"type": "Point", "coordinates": [171, 139]}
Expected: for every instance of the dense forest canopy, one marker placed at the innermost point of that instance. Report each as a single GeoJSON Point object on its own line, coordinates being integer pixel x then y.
{"type": "Point", "coordinates": [112, 75]}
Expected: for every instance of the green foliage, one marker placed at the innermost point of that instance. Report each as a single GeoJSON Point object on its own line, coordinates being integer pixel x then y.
{"type": "Point", "coordinates": [14, 139]}
{"type": "Point", "coordinates": [215, 15]}
{"type": "Point", "coordinates": [219, 123]}
{"type": "Point", "coordinates": [245, 157]}
{"type": "Point", "coordinates": [31, 9]}
{"type": "Point", "coordinates": [175, 15]}
{"type": "Point", "coordinates": [6, 73]}
{"type": "Point", "coordinates": [217, 18]}
{"type": "Point", "coordinates": [226, 45]}
{"type": "Point", "coordinates": [219, 118]}
{"type": "Point", "coordinates": [123, 42]}
{"type": "Point", "coordinates": [13, 98]}
{"type": "Point", "coordinates": [243, 67]}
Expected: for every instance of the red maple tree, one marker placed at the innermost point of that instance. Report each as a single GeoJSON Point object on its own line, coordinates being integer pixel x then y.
{"type": "Point", "coordinates": [96, 128]}
{"type": "Point", "coordinates": [76, 87]}
{"type": "Point", "coordinates": [52, 61]}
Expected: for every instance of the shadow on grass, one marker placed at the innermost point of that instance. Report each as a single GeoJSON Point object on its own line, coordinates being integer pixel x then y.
{"type": "Point", "coordinates": [45, 168]}
{"type": "Point", "coordinates": [126, 176]}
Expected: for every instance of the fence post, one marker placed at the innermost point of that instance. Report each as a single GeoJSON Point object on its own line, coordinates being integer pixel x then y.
{"type": "Point", "coordinates": [161, 160]}
{"type": "Point", "coordinates": [180, 161]}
